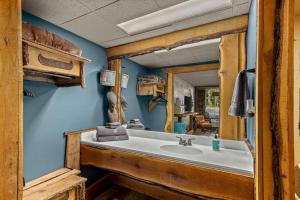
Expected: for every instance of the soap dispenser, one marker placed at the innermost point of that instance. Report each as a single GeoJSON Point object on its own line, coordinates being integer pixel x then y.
{"type": "Point", "coordinates": [216, 143]}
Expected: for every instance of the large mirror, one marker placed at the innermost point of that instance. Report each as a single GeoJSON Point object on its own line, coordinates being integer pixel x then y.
{"type": "Point", "coordinates": [187, 89]}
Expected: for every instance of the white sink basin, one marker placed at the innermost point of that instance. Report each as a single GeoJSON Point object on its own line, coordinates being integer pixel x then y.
{"type": "Point", "coordinates": [180, 149]}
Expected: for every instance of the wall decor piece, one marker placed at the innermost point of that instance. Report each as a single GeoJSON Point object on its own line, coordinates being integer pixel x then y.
{"type": "Point", "coordinates": [50, 58]}
{"type": "Point", "coordinates": [124, 81]}
{"type": "Point", "coordinates": [108, 78]}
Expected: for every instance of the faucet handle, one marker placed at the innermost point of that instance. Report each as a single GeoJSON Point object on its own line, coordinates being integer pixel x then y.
{"type": "Point", "coordinates": [181, 140]}
{"type": "Point", "coordinates": [190, 141]}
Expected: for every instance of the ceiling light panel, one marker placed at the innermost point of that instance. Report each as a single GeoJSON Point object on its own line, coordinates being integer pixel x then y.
{"type": "Point", "coordinates": [173, 14]}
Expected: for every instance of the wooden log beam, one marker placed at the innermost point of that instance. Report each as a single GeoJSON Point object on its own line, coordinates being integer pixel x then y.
{"type": "Point", "coordinates": [178, 38]}
{"type": "Point", "coordinates": [178, 175]}
{"type": "Point", "coordinates": [169, 125]}
{"type": "Point", "coordinates": [232, 61]}
{"type": "Point", "coordinates": [116, 65]}
{"type": "Point", "coordinates": [11, 101]}
{"type": "Point", "coordinates": [274, 121]}
{"type": "Point", "coordinates": [191, 68]}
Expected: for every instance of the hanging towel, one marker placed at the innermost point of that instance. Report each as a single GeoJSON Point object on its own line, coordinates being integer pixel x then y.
{"type": "Point", "coordinates": [240, 96]}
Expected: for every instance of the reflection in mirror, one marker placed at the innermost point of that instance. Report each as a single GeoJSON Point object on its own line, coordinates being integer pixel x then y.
{"type": "Point", "coordinates": [188, 90]}
{"type": "Point", "coordinates": [196, 103]}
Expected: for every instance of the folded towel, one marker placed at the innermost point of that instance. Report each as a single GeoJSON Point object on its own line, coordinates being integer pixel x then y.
{"type": "Point", "coordinates": [112, 138]}
{"type": "Point", "coordinates": [240, 96]}
{"type": "Point", "coordinates": [102, 131]}
{"type": "Point", "coordinates": [135, 124]}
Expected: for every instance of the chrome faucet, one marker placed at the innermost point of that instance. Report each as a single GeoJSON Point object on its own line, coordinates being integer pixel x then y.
{"type": "Point", "coordinates": [185, 142]}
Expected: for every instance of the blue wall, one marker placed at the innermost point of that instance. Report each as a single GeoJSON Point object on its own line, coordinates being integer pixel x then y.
{"type": "Point", "coordinates": [251, 63]}
{"type": "Point", "coordinates": [138, 105]}
{"type": "Point", "coordinates": [55, 110]}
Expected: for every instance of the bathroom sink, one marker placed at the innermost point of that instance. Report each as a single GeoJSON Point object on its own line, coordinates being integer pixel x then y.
{"type": "Point", "coordinates": [180, 149]}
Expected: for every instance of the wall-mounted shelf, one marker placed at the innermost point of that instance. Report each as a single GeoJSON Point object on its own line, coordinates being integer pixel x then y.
{"type": "Point", "coordinates": [47, 64]}
{"type": "Point", "coordinates": [150, 89]}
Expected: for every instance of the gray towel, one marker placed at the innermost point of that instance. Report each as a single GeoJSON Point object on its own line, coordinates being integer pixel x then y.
{"type": "Point", "coordinates": [112, 138]}
{"type": "Point", "coordinates": [102, 131]}
{"type": "Point", "coordinates": [240, 96]}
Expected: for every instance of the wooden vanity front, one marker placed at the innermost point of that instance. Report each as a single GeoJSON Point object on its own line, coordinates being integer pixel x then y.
{"type": "Point", "coordinates": [177, 175]}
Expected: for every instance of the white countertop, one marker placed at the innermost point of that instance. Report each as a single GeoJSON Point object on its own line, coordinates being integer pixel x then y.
{"type": "Point", "coordinates": [234, 156]}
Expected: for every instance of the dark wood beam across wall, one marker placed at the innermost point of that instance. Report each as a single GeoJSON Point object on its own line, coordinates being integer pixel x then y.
{"type": "Point", "coordinates": [181, 37]}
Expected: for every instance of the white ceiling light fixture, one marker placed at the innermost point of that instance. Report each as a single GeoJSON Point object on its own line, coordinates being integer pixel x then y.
{"type": "Point", "coordinates": [173, 14]}
{"type": "Point", "coordinates": [191, 45]}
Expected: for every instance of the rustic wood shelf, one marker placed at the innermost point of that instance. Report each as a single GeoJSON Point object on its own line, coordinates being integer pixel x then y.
{"type": "Point", "coordinates": [48, 64]}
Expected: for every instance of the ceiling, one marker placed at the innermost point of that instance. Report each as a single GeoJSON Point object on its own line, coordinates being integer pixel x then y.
{"type": "Point", "coordinates": [297, 7]}
{"type": "Point", "coordinates": [96, 20]}
{"type": "Point", "coordinates": [201, 78]}
{"type": "Point", "coordinates": [179, 57]}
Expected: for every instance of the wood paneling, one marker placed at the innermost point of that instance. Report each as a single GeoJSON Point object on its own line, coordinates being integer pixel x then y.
{"type": "Point", "coordinates": [11, 101]}
{"type": "Point", "coordinates": [274, 121]}
{"type": "Point", "coordinates": [178, 38]}
{"type": "Point", "coordinates": [174, 174]}
{"type": "Point", "coordinates": [231, 62]}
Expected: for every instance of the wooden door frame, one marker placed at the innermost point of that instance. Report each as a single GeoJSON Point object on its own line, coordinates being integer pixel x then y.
{"type": "Point", "coordinates": [171, 71]}
{"type": "Point", "coordinates": [274, 168]}
{"type": "Point", "coordinates": [203, 87]}
{"type": "Point", "coordinates": [11, 101]}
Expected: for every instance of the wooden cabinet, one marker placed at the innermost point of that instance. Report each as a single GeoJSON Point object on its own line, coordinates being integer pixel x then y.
{"type": "Point", "coordinates": [150, 89]}
{"type": "Point", "coordinates": [47, 64]}
{"type": "Point", "coordinates": [63, 184]}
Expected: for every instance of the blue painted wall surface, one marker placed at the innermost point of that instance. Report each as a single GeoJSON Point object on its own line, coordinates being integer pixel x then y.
{"type": "Point", "coordinates": [137, 106]}
{"type": "Point", "coordinates": [251, 63]}
{"type": "Point", "coordinates": [55, 110]}
{"type": "Point", "coordinates": [156, 119]}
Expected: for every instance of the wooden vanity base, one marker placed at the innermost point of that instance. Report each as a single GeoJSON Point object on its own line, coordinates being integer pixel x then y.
{"type": "Point", "coordinates": [180, 176]}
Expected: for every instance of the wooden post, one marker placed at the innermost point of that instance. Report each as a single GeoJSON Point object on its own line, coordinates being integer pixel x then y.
{"type": "Point", "coordinates": [116, 65]}
{"type": "Point", "coordinates": [11, 101]}
{"type": "Point", "coordinates": [170, 96]}
{"type": "Point", "coordinates": [232, 50]}
{"type": "Point", "coordinates": [274, 122]}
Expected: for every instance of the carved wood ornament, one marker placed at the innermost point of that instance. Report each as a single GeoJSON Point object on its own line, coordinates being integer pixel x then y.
{"type": "Point", "coordinates": [55, 63]}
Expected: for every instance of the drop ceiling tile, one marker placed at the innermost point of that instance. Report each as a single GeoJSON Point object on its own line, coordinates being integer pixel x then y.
{"type": "Point", "coordinates": [206, 53]}
{"type": "Point", "coordinates": [96, 4]}
{"type": "Point", "coordinates": [168, 3]}
{"type": "Point", "coordinates": [204, 19]}
{"type": "Point", "coordinates": [178, 57]}
{"type": "Point", "coordinates": [57, 11]}
{"type": "Point", "coordinates": [125, 10]}
{"type": "Point", "coordinates": [93, 28]}
{"type": "Point", "coordinates": [241, 9]}
{"type": "Point", "coordinates": [237, 2]}
{"type": "Point", "coordinates": [148, 60]}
